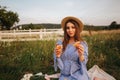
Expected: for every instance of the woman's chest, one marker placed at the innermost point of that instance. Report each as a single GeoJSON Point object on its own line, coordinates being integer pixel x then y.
{"type": "Point", "coordinates": [70, 53]}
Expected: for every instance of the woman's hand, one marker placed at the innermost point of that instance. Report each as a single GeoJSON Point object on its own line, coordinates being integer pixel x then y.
{"type": "Point", "coordinates": [58, 50]}
{"type": "Point", "coordinates": [80, 49]}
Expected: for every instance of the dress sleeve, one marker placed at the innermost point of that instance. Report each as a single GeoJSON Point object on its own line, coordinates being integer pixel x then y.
{"type": "Point", "coordinates": [83, 64]}
{"type": "Point", "coordinates": [85, 53]}
{"type": "Point", "coordinates": [57, 61]}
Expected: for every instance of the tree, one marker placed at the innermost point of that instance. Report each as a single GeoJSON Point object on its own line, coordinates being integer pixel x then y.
{"type": "Point", "coordinates": [113, 25]}
{"type": "Point", "coordinates": [7, 18]}
{"type": "Point", "coordinates": [30, 26]}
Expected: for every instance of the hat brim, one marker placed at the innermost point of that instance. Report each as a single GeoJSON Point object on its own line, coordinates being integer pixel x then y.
{"type": "Point", "coordinates": [72, 18]}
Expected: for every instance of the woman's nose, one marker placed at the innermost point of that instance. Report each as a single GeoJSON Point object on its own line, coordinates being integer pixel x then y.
{"type": "Point", "coordinates": [70, 29]}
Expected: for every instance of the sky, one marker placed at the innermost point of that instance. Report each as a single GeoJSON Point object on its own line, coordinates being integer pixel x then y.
{"type": "Point", "coordinates": [90, 12]}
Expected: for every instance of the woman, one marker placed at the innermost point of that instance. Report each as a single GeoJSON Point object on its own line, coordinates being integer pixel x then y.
{"type": "Point", "coordinates": [71, 53]}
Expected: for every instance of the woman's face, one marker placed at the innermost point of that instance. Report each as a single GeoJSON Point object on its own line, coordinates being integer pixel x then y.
{"type": "Point", "coordinates": [70, 29]}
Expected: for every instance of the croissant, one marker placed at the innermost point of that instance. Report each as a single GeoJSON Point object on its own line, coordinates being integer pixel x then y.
{"type": "Point", "coordinates": [59, 46]}
{"type": "Point", "coordinates": [76, 43]}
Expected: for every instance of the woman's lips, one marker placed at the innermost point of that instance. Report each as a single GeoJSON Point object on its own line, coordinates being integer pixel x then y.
{"type": "Point", "coordinates": [71, 33]}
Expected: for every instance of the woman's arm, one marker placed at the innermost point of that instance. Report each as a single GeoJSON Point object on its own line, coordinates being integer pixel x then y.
{"type": "Point", "coordinates": [57, 57]}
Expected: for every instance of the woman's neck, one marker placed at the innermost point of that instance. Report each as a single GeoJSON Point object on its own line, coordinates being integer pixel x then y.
{"type": "Point", "coordinates": [72, 40]}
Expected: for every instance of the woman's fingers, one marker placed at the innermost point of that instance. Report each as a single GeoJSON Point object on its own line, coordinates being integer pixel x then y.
{"type": "Point", "coordinates": [80, 50]}
{"type": "Point", "coordinates": [58, 50]}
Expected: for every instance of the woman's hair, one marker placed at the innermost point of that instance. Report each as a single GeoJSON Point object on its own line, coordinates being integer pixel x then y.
{"type": "Point", "coordinates": [77, 36]}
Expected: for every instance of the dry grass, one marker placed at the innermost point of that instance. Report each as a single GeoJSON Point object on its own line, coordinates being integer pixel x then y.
{"type": "Point", "coordinates": [90, 33]}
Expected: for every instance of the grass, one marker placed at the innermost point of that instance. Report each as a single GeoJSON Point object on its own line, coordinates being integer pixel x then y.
{"type": "Point", "coordinates": [105, 52]}
{"type": "Point", "coordinates": [20, 57]}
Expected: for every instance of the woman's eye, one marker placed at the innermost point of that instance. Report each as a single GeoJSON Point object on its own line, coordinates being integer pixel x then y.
{"type": "Point", "coordinates": [67, 28]}
{"type": "Point", "coordinates": [73, 27]}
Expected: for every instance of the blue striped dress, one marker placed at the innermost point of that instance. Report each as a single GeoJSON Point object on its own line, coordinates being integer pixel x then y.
{"type": "Point", "coordinates": [71, 68]}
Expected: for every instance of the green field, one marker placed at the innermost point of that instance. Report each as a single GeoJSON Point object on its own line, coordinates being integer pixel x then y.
{"type": "Point", "coordinates": [20, 57]}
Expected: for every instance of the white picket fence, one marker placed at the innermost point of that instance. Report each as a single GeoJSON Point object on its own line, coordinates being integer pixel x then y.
{"type": "Point", "coordinates": [25, 35]}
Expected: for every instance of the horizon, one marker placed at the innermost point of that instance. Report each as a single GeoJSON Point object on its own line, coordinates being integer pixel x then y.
{"type": "Point", "coordinates": [93, 12]}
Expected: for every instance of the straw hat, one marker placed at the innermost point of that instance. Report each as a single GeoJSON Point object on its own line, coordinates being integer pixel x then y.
{"type": "Point", "coordinates": [72, 18]}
